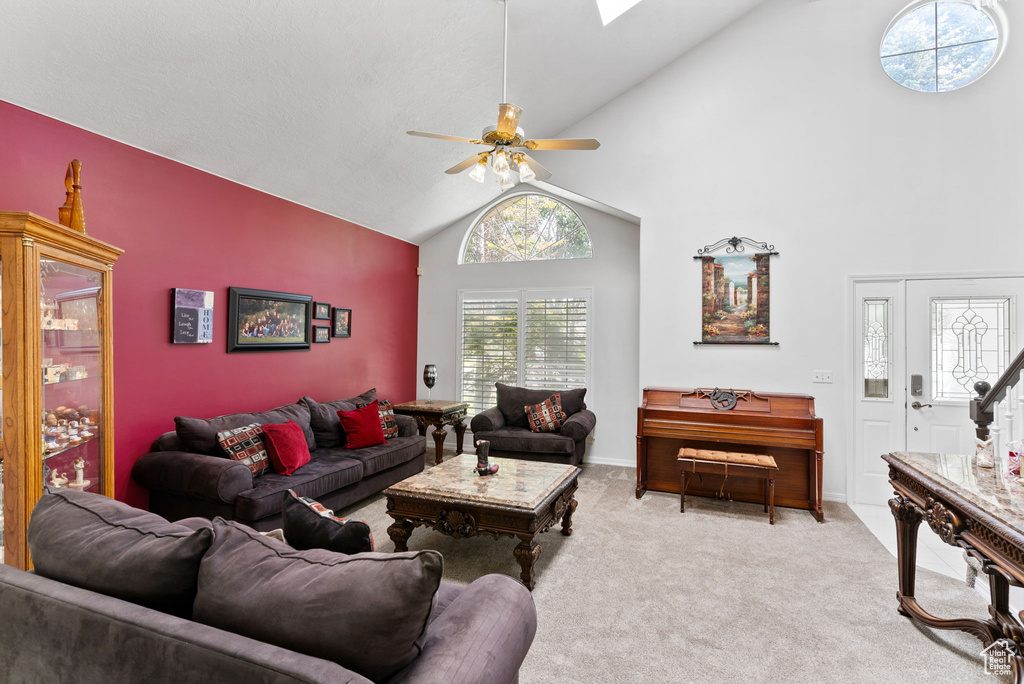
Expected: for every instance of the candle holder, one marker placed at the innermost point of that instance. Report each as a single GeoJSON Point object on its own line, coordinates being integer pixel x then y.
{"type": "Point", "coordinates": [429, 378]}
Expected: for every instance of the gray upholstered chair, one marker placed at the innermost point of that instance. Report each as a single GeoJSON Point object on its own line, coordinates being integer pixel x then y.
{"type": "Point", "coordinates": [506, 427]}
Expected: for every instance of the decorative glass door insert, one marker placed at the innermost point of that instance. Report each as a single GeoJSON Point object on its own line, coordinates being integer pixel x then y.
{"type": "Point", "coordinates": [970, 342]}
{"type": "Point", "coordinates": [876, 348]}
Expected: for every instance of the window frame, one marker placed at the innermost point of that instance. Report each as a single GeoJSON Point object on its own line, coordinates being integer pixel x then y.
{"type": "Point", "coordinates": [460, 258]}
{"type": "Point", "coordinates": [996, 13]}
{"type": "Point", "coordinates": [523, 295]}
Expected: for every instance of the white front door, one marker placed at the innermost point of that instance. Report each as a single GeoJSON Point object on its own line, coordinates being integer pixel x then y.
{"type": "Point", "coordinates": [959, 332]}
{"type": "Point", "coordinates": [919, 347]}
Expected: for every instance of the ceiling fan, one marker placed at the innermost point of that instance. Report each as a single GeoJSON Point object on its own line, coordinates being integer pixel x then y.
{"type": "Point", "coordinates": [505, 138]}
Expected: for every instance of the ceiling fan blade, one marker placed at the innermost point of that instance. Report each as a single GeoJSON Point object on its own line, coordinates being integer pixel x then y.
{"type": "Point", "coordinates": [563, 144]}
{"type": "Point", "coordinates": [421, 134]}
{"type": "Point", "coordinates": [463, 165]}
{"type": "Point", "coordinates": [508, 120]}
{"type": "Point", "coordinates": [542, 173]}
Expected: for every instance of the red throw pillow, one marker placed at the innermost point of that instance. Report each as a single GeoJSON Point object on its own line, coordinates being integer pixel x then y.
{"type": "Point", "coordinates": [286, 446]}
{"type": "Point", "coordinates": [362, 426]}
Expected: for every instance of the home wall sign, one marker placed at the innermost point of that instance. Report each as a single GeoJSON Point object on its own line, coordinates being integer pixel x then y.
{"type": "Point", "coordinates": [191, 316]}
{"type": "Point", "coordinates": [736, 292]}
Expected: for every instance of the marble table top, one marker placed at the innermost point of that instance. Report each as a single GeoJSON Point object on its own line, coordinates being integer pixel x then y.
{"type": "Point", "coordinates": [430, 406]}
{"type": "Point", "coordinates": [517, 484]}
{"type": "Point", "coordinates": [990, 489]}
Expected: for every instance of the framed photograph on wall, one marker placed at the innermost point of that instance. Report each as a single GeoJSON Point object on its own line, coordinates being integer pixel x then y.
{"type": "Point", "coordinates": [321, 333]}
{"type": "Point", "coordinates": [264, 320]}
{"type": "Point", "coordinates": [342, 322]}
{"type": "Point", "coordinates": [321, 311]}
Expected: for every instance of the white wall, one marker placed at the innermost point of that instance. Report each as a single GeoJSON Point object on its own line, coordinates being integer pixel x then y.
{"type": "Point", "coordinates": [613, 274]}
{"type": "Point", "coordinates": [784, 128]}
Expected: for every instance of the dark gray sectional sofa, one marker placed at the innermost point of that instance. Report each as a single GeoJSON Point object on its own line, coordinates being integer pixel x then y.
{"type": "Point", "coordinates": [188, 475]}
{"type": "Point", "coordinates": [122, 595]}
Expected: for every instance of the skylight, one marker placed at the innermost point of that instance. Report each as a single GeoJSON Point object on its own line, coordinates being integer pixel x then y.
{"type": "Point", "coordinates": [612, 9]}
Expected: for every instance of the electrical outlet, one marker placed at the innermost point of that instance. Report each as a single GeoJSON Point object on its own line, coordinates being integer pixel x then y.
{"type": "Point", "coordinates": [823, 377]}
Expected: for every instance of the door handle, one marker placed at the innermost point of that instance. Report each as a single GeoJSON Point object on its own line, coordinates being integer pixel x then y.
{"type": "Point", "coordinates": [918, 405]}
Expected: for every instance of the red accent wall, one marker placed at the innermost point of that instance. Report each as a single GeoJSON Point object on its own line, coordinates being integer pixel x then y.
{"type": "Point", "coordinates": [181, 227]}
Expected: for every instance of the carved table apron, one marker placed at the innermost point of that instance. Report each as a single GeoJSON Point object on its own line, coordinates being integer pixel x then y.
{"type": "Point", "coordinates": [923, 492]}
{"type": "Point", "coordinates": [460, 518]}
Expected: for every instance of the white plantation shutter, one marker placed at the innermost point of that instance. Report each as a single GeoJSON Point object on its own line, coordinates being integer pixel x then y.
{"type": "Point", "coordinates": [555, 351]}
{"type": "Point", "coordinates": [536, 339]}
{"type": "Point", "coordinates": [489, 349]}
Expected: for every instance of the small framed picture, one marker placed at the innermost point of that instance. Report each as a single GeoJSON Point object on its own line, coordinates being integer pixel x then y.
{"type": "Point", "coordinates": [342, 322]}
{"type": "Point", "coordinates": [321, 311]}
{"type": "Point", "coordinates": [321, 333]}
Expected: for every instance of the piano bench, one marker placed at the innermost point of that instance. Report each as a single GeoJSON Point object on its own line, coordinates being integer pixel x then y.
{"type": "Point", "coordinates": [726, 463]}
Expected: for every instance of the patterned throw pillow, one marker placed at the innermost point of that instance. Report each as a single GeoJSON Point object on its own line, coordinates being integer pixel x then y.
{"type": "Point", "coordinates": [246, 444]}
{"type": "Point", "coordinates": [388, 423]}
{"type": "Point", "coordinates": [308, 524]}
{"type": "Point", "coordinates": [546, 416]}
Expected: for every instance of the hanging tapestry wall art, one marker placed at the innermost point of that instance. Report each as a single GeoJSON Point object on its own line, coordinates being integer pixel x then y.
{"type": "Point", "coordinates": [736, 292]}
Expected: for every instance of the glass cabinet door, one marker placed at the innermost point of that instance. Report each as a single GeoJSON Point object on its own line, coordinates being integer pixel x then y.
{"type": "Point", "coordinates": [72, 374]}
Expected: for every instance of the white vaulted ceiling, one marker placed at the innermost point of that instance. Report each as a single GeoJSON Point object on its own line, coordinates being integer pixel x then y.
{"type": "Point", "coordinates": [310, 99]}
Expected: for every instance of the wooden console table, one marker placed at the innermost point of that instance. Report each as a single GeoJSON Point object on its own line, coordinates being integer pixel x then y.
{"type": "Point", "coordinates": [976, 509]}
{"type": "Point", "coordinates": [437, 412]}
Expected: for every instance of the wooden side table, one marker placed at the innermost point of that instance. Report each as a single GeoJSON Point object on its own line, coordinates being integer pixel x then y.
{"type": "Point", "coordinates": [437, 412]}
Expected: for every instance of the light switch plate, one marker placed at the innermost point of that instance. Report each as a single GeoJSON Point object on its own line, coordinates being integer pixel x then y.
{"type": "Point", "coordinates": [823, 376]}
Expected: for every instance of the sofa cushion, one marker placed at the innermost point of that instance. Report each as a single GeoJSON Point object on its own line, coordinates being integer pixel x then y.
{"type": "Point", "coordinates": [330, 470]}
{"type": "Point", "coordinates": [246, 445]}
{"type": "Point", "coordinates": [362, 426]}
{"type": "Point", "coordinates": [324, 417]}
{"type": "Point", "coordinates": [286, 446]}
{"type": "Point", "coordinates": [106, 546]}
{"type": "Point", "coordinates": [367, 612]}
{"type": "Point", "coordinates": [382, 457]}
{"type": "Point", "coordinates": [546, 416]}
{"type": "Point", "coordinates": [513, 400]}
{"type": "Point", "coordinates": [522, 439]}
{"type": "Point", "coordinates": [199, 435]}
{"type": "Point", "coordinates": [309, 525]}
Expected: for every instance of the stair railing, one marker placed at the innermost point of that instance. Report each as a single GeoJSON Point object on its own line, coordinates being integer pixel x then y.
{"type": "Point", "coordinates": [992, 419]}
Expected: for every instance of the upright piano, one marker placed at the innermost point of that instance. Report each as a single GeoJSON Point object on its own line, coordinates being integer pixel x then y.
{"type": "Point", "coordinates": [781, 425]}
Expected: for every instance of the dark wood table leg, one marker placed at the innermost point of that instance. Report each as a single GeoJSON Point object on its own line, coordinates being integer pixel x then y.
{"type": "Point", "coordinates": [567, 517]}
{"type": "Point", "coordinates": [439, 434]}
{"type": "Point", "coordinates": [771, 500]}
{"type": "Point", "coordinates": [460, 432]}
{"type": "Point", "coordinates": [526, 554]}
{"type": "Point", "coordinates": [400, 531]}
{"type": "Point", "coordinates": [908, 520]}
{"type": "Point", "coordinates": [766, 480]}
{"type": "Point", "coordinates": [684, 478]}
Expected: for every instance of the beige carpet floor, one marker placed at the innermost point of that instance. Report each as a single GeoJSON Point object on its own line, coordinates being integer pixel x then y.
{"type": "Point", "coordinates": [642, 593]}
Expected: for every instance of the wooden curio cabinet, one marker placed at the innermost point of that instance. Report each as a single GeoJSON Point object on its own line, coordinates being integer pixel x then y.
{"type": "Point", "coordinates": [58, 390]}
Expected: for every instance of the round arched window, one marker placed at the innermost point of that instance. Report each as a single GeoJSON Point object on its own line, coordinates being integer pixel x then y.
{"type": "Point", "coordinates": [934, 47]}
{"type": "Point", "coordinates": [528, 228]}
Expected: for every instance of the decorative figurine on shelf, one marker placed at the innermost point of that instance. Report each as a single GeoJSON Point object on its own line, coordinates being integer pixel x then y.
{"type": "Point", "coordinates": [58, 480]}
{"type": "Point", "coordinates": [482, 466]}
{"type": "Point", "coordinates": [80, 482]}
{"type": "Point", "coordinates": [985, 453]}
{"type": "Point", "coordinates": [429, 378]}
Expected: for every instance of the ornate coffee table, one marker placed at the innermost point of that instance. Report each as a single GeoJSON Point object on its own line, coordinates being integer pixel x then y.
{"type": "Point", "coordinates": [522, 500]}
{"type": "Point", "coordinates": [437, 412]}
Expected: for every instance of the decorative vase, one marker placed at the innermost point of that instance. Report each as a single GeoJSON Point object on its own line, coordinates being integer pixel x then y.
{"type": "Point", "coordinates": [429, 377]}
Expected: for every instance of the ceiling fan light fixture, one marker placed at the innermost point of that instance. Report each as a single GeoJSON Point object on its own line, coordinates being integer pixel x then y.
{"type": "Point", "coordinates": [526, 174]}
{"type": "Point", "coordinates": [505, 181]}
{"type": "Point", "coordinates": [500, 163]}
{"type": "Point", "coordinates": [479, 170]}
